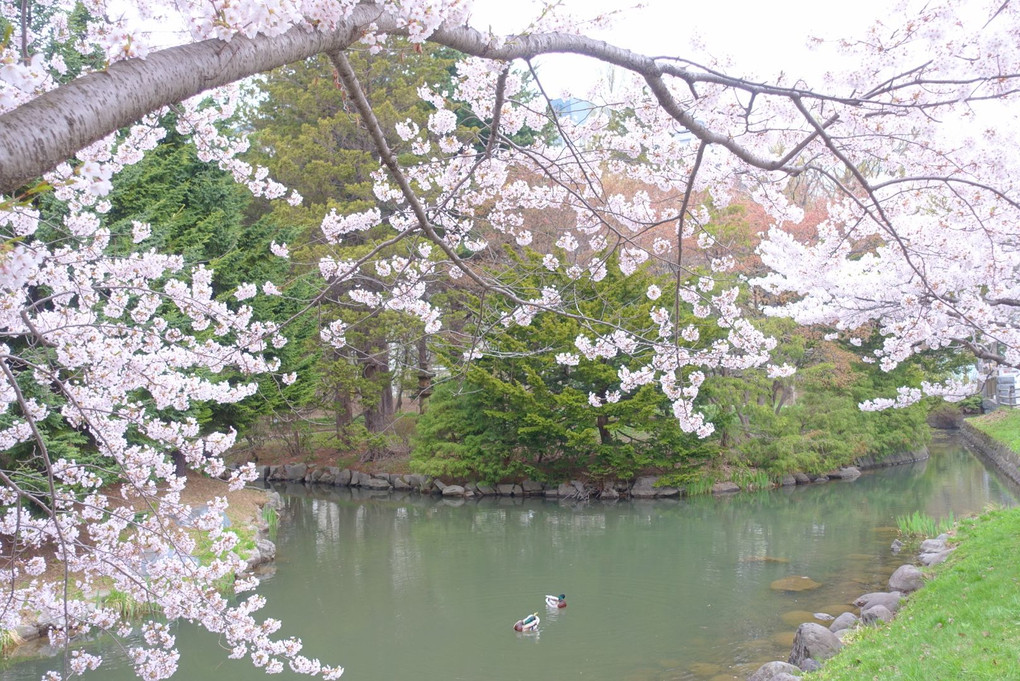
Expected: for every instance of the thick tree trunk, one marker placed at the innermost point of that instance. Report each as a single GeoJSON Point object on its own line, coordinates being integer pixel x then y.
{"type": "Point", "coordinates": [39, 135]}
{"type": "Point", "coordinates": [180, 464]}
{"type": "Point", "coordinates": [379, 413]}
{"type": "Point", "coordinates": [343, 412]}
{"type": "Point", "coordinates": [604, 435]}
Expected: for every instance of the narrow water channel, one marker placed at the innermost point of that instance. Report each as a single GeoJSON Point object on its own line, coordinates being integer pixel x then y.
{"type": "Point", "coordinates": [398, 588]}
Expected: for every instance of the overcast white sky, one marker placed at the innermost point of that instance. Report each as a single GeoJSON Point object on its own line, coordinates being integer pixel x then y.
{"type": "Point", "coordinates": [760, 36]}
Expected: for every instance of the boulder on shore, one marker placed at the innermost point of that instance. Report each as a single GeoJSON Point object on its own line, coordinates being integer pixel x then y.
{"type": "Point", "coordinates": [813, 641]}
{"type": "Point", "coordinates": [876, 613]}
{"type": "Point", "coordinates": [609, 493]}
{"type": "Point", "coordinates": [774, 671]}
{"type": "Point", "coordinates": [418, 482]}
{"type": "Point", "coordinates": [359, 479]}
{"type": "Point", "coordinates": [845, 621]}
{"type": "Point", "coordinates": [934, 551]}
{"type": "Point", "coordinates": [848, 473]}
{"type": "Point", "coordinates": [725, 488]}
{"type": "Point", "coordinates": [934, 545]}
{"type": "Point", "coordinates": [906, 579]}
{"type": "Point", "coordinates": [377, 484]}
{"type": "Point", "coordinates": [887, 599]}
{"type": "Point", "coordinates": [532, 487]}
{"type": "Point", "coordinates": [930, 559]}
{"type": "Point", "coordinates": [295, 472]}
{"type": "Point", "coordinates": [564, 491]}
{"type": "Point", "coordinates": [644, 487]}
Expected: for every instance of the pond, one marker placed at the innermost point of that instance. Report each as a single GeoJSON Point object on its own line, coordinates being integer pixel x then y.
{"type": "Point", "coordinates": [419, 588]}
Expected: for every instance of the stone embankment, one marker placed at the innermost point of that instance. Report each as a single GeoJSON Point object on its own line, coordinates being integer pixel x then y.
{"type": "Point", "coordinates": [642, 487]}
{"type": "Point", "coordinates": [1004, 458]}
{"type": "Point", "coordinates": [265, 550]}
{"type": "Point", "coordinates": [815, 643]}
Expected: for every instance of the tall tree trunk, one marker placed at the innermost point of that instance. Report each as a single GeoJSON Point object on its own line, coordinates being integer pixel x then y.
{"type": "Point", "coordinates": [604, 435]}
{"type": "Point", "coordinates": [424, 375]}
{"type": "Point", "coordinates": [379, 413]}
{"type": "Point", "coordinates": [343, 403]}
{"type": "Point", "coordinates": [343, 411]}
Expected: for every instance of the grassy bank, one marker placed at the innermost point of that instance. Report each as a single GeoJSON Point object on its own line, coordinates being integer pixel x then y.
{"type": "Point", "coordinates": [963, 625]}
{"type": "Point", "coordinates": [1002, 425]}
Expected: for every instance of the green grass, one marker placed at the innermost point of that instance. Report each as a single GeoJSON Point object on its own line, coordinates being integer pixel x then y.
{"type": "Point", "coordinates": [923, 525]}
{"type": "Point", "coordinates": [133, 609]}
{"type": "Point", "coordinates": [8, 641]}
{"type": "Point", "coordinates": [127, 606]}
{"type": "Point", "coordinates": [699, 485]}
{"type": "Point", "coordinates": [272, 519]}
{"type": "Point", "coordinates": [244, 547]}
{"type": "Point", "coordinates": [751, 479]}
{"type": "Point", "coordinates": [1001, 424]}
{"type": "Point", "coordinates": [963, 625]}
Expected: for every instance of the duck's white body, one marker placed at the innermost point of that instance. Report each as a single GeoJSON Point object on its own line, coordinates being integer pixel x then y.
{"type": "Point", "coordinates": [528, 623]}
{"type": "Point", "coordinates": [555, 602]}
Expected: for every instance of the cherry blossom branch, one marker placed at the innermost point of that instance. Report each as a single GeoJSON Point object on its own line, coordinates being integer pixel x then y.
{"type": "Point", "coordinates": [691, 123]}
{"type": "Point", "coordinates": [982, 352]}
{"type": "Point", "coordinates": [702, 74]}
{"type": "Point", "coordinates": [688, 192]}
{"type": "Point", "coordinates": [40, 442]}
{"type": "Point", "coordinates": [567, 139]}
{"type": "Point", "coordinates": [26, 22]}
{"type": "Point", "coordinates": [44, 132]}
{"type": "Point", "coordinates": [350, 81]}
{"type": "Point", "coordinates": [1011, 302]}
{"type": "Point", "coordinates": [999, 194]}
{"type": "Point", "coordinates": [497, 112]}
{"type": "Point", "coordinates": [906, 252]}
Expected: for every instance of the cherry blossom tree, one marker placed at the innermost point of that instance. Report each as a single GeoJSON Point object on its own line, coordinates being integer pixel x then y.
{"type": "Point", "coordinates": [911, 150]}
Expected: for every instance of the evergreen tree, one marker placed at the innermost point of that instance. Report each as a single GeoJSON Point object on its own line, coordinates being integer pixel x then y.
{"type": "Point", "coordinates": [197, 210]}
{"type": "Point", "coordinates": [520, 412]}
{"type": "Point", "coordinates": [307, 135]}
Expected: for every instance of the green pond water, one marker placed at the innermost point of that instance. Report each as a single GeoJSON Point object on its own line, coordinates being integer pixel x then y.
{"type": "Point", "coordinates": [405, 587]}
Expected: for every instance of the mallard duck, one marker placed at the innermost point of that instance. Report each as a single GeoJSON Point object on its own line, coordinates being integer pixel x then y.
{"type": "Point", "coordinates": [556, 601]}
{"type": "Point", "coordinates": [528, 623]}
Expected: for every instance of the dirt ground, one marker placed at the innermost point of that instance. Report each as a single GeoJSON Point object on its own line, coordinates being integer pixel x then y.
{"type": "Point", "coordinates": [245, 505]}
{"type": "Point", "coordinates": [272, 455]}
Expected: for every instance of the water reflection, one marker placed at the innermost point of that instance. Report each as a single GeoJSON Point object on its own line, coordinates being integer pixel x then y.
{"type": "Point", "coordinates": [687, 576]}
{"type": "Point", "coordinates": [400, 586]}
